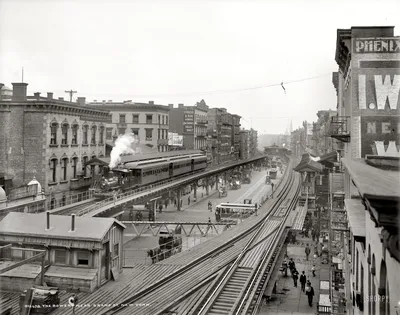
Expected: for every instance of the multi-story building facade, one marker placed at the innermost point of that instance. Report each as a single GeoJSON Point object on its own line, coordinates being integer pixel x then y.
{"type": "Point", "coordinates": [226, 149]}
{"type": "Point", "coordinates": [321, 143]}
{"type": "Point", "coordinates": [244, 144]}
{"type": "Point", "coordinates": [148, 122]}
{"type": "Point", "coordinates": [236, 135]}
{"type": "Point", "coordinates": [5, 93]}
{"type": "Point", "coordinates": [49, 139]}
{"type": "Point", "coordinates": [253, 143]}
{"type": "Point", "coordinates": [367, 123]}
{"type": "Point", "coordinates": [191, 122]}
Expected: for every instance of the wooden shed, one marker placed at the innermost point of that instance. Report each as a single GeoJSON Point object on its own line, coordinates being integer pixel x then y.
{"type": "Point", "coordinates": [81, 252]}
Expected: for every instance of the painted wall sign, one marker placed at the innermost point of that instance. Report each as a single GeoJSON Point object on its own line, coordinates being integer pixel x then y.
{"type": "Point", "coordinates": [363, 46]}
{"type": "Point", "coordinates": [188, 129]}
{"type": "Point", "coordinates": [378, 128]}
{"type": "Point", "coordinates": [188, 117]}
{"type": "Point", "coordinates": [378, 91]}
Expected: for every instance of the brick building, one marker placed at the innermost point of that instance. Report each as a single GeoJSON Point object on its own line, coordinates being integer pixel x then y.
{"type": "Point", "coordinates": [49, 139]}
{"type": "Point", "coordinates": [253, 143]}
{"type": "Point", "coordinates": [149, 122]}
{"type": "Point", "coordinates": [244, 144]}
{"type": "Point", "coordinates": [191, 122]}
{"type": "Point", "coordinates": [236, 135]}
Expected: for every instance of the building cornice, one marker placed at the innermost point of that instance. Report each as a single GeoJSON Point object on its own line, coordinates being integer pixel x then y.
{"type": "Point", "coordinates": [118, 107]}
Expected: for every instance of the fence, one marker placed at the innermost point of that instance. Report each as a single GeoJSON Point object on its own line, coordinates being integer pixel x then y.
{"type": "Point", "coordinates": [62, 199]}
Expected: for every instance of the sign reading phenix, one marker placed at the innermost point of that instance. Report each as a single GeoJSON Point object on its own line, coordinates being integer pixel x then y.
{"type": "Point", "coordinates": [362, 46]}
{"type": "Point", "coordinates": [377, 91]}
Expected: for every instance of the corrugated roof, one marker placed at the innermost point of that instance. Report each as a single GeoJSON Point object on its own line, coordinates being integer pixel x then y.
{"type": "Point", "coordinates": [16, 223]}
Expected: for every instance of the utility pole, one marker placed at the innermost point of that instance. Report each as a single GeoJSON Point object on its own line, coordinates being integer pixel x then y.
{"type": "Point", "coordinates": [70, 94]}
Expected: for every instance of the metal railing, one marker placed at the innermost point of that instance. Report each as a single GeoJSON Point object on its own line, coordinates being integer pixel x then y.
{"type": "Point", "coordinates": [59, 200]}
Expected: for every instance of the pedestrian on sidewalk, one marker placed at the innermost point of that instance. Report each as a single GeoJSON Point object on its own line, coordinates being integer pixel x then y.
{"type": "Point", "coordinates": [160, 208]}
{"type": "Point", "coordinates": [309, 292]}
{"type": "Point", "coordinates": [181, 203]}
{"type": "Point", "coordinates": [308, 251]}
{"type": "Point", "coordinates": [166, 203]}
{"type": "Point", "coordinates": [313, 270]}
{"type": "Point", "coordinates": [313, 234]}
{"type": "Point", "coordinates": [188, 200]}
{"type": "Point", "coordinates": [175, 202]}
{"type": "Point", "coordinates": [295, 276]}
{"type": "Point", "coordinates": [319, 249]}
{"type": "Point", "coordinates": [292, 266]}
{"type": "Point", "coordinates": [303, 280]}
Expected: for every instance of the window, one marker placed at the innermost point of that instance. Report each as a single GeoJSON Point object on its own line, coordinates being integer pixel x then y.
{"type": "Point", "coordinates": [93, 141]}
{"type": "Point", "coordinates": [149, 134]}
{"type": "Point", "coordinates": [74, 165]}
{"type": "Point", "coordinates": [162, 134]}
{"type": "Point", "coordinates": [75, 134]}
{"type": "Point", "coordinates": [92, 170]}
{"type": "Point", "coordinates": [109, 133]}
{"type": "Point", "coordinates": [82, 258]}
{"type": "Point", "coordinates": [60, 256]}
{"type": "Point", "coordinates": [122, 119]}
{"type": "Point", "coordinates": [121, 131]}
{"type": "Point", "coordinates": [149, 119]}
{"type": "Point", "coordinates": [159, 119]}
{"type": "Point", "coordinates": [135, 131]}
{"type": "Point", "coordinates": [135, 119]}
{"type": "Point", "coordinates": [84, 161]}
{"type": "Point", "coordinates": [163, 119]}
{"type": "Point", "coordinates": [53, 133]}
{"type": "Point", "coordinates": [64, 130]}
{"type": "Point", "coordinates": [85, 135]}
{"type": "Point", "coordinates": [101, 136]}
{"type": "Point", "coordinates": [158, 132]}
{"type": "Point", "coordinates": [53, 168]}
{"type": "Point", "coordinates": [64, 164]}
{"type": "Point", "coordinates": [116, 250]}
{"type": "Point", "coordinates": [166, 120]}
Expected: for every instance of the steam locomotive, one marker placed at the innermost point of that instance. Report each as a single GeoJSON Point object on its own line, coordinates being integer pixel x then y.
{"type": "Point", "coordinates": [132, 175]}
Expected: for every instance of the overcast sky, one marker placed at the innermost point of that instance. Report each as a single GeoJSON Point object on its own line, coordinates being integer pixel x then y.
{"type": "Point", "coordinates": [180, 51]}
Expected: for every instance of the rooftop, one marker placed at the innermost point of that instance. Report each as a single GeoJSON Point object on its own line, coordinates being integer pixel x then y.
{"type": "Point", "coordinates": [86, 228]}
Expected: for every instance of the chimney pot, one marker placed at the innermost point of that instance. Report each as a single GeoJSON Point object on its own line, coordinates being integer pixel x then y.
{"type": "Point", "coordinates": [48, 220]}
{"type": "Point", "coordinates": [61, 98]}
{"type": "Point", "coordinates": [171, 105]}
{"type": "Point", "coordinates": [50, 95]}
{"type": "Point", "coordinates": [72, 222]}
{"type": "Point", "coordinates": [151, 102]}
{"type": "Point", "coordinates": [180, 105]}
{"type": "Point", "coordinates": [19, 92]}
{"type": "Point", "coordinates": [37, 95]}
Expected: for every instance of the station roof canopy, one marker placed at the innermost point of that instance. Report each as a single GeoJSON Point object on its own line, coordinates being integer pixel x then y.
{"type": "Point", "coordinates": [29, 224]}
{"type": "Point", "coordinates": [105, 161]}
{"type": "Point", "coordinates": [356, 216]}
{"type": "Point", "coordinates": [308, 163]}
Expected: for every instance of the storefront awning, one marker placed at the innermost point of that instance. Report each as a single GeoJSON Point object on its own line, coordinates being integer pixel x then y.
{"type": "Point", "coordinates": [356, 216]}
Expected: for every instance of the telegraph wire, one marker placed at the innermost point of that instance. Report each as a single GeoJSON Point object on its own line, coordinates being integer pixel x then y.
{"type": "Point", "coordinates": [212, 92]}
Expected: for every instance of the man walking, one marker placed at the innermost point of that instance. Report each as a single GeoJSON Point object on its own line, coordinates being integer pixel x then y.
{"type": "Point", "coordinates": [295, 276]}
{"type": "Point", "coordinates": [309, 293]}
{"type": "Point", "coordinates": [308, 251]}
{"type": "Point", "coordinates": [303, 280]}
{"type": "Point", "coordinates": [292, 266]}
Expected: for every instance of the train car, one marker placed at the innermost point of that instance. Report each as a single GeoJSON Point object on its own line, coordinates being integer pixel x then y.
{"type": "Point", "coordinates": [227, 212]}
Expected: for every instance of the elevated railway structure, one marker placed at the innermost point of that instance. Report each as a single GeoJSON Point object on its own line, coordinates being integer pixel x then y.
{"type": "Point", "coordinates": [172, 283]}
{"type": "Point", "coordinates": [150, 191]}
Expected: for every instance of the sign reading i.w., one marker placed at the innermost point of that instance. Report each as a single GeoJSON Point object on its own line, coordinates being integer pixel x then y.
{"type": "Point", "coordinates": [378, 91]}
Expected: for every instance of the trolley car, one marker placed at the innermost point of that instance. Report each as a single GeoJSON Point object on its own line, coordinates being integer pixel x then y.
{"type": "Point", "coordinates": [232, 212]}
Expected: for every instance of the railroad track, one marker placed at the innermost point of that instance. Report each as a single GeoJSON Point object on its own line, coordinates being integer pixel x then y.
{"type": "Point", "coordinates": [75, 209]}
{"type": "Point", "coordinates": [167, 294]}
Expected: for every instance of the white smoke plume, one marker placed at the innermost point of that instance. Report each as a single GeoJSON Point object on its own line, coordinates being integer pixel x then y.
{"type": "Point", "coordinates": [125, 144]}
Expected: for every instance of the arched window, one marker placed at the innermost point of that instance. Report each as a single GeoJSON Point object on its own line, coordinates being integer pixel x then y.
{"type": "Point", "coordinates": [93, 139]}
{"type": "Point", "coordinates": [101, 135]}
{"type": "Point", "coordinates": [53, 133]}
{"type": "Point", "coordinates": [64, 164]}
{"type": "Point", "coordinates": [85, 130]}
{"type": "Point", "coordinates": [64, 134]}
{"type": "Point", "coordinates": [53, 168]}
{"type": "Point", "coordinates": [74, 140]}
{"type": "Point", "coordinates": [74, 166]}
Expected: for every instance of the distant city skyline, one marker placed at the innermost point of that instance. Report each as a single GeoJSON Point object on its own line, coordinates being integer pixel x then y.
{"type": "Point", "coordinates": [232, 54]}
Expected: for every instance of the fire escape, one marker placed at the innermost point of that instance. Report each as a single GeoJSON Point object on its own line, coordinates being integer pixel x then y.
{"type": "Point", "coordinates": [339, 128]}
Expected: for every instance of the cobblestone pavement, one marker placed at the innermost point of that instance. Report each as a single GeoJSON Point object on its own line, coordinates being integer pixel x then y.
{"type": "Point", "coordinates": [135, 247]}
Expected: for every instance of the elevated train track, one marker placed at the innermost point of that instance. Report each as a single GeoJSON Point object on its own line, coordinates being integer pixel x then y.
{"type": "Point", "coordinates": [233, 271]}
{"type": "Point", "coordinates": [178, 282]}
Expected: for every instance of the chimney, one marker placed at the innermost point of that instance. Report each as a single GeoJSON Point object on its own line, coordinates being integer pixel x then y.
{"type": "Point", "coordinates": [1, 86]}
{"type": "Point", "coordinates": [180, 105]}
{"type": "Point", "coordinates": [81, 100]}
{"type": "Point", "coordinates": [151, 102]}
{"type": "Point", "coordinates": [19, 92]}
{"type": "Point", "coordinates": [48, 220]}
{"type": "Point", "coordinates": [171, 105]}
{"type": "Point", "coordinates": [61, 98]}
{"type": "Point", "coordinates": [49, 95]}
{"type": "Point", "coordinates": [72, 222]}
{"type": "Point", "coordinates": [37, 95]}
